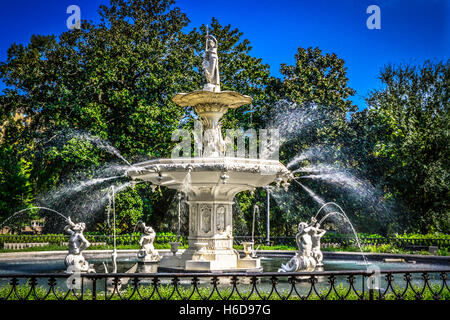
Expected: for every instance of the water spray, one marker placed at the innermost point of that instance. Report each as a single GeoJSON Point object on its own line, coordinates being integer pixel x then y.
{"type": "Point", "coordinates": [255, 211]}
{"type": "Point", "coordinates": [31, 208]}
{"type": "Point", "coordinates": [180, 196]}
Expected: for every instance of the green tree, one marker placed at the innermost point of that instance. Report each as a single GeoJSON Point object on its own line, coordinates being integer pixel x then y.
{"type": "Point", "coordinates": [129, 209]}
{"type": "Point", "coordinates": [15, 185]}
{"type": "Point", "coordinates": [115, 80]}
{"type": "Point", "coordinates": [405, 134]}
{"type": "Point", "coordinates": [320, 79]}
{"type": "Point", "coordinates": [312, 107]}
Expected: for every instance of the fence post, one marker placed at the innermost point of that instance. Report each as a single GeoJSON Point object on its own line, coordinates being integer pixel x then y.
{"type": "Point", "coordinates": [94, 289]}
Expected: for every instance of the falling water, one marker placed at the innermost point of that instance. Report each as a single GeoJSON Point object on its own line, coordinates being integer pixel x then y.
{"type": "Point", "coordinates": [319, 152]}
{"type": "Point", "coordinates": [101, 144]}
{"type": "Point", "coordinates": [255, 212]}
{"type": "Point", "coordinates": [104, 145]}
{"type": "Point", "coordinates": [179, 215]}
{"type": "Point", "coordinates": [85, 193]}
{"type": "Point", "coordinates": [284, 200]}
{"type": "Point", "coordinates": [31, 208]}
{"type": "Point", "coordinates": [313, 195]}
{"type": "Point", "coordinates": [84, 184]}
{"type": "Point", "coordinates": [351, 226]}
{"type": "Point", "coordinates": [101, 175]}
{"type": "Point", "coordinates": [357, 188]}
{"type": "Point", "coordinates": [87, 205]}
{"type": "Point", "coordinates": [321, 168]}
{"type": "Point", "coordinates": [66, 135]}
{"type": "Point", "coordinates": [342, 179]}
{"type": "Point", "coordinates": [111, 199]}
{"type": "Point", "coordinates": [325, 207]}
{"type": "Point", "coordinates": [293, 120]}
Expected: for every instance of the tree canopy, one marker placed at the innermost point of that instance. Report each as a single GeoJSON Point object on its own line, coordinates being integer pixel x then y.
{"type": "Point", "coordinates": [100, 94]}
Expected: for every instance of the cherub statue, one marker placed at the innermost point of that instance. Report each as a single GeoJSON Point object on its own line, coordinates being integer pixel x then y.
{"type": "Point", "coordinates": [211, 65]}
{"type": "Point", "coordinates": [75, 261]}
{"type": "Point", "coordinates": [316, 235]}
{"type": "Point", "coordinates": [304, 243]}
{"type": "Point", "coordinates": [147, 251]}
{"type": "Point", "coordinates": [308, 241]}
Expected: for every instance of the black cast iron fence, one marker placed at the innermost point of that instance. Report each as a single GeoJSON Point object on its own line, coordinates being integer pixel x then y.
{"type": "Point", "coordinates": [326, 285]}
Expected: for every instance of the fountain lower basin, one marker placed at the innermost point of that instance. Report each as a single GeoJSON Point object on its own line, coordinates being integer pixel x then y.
{"type": "Point", "coordinates": [221, 177]}
{"type": "Point", "coordinates": [210, 185]}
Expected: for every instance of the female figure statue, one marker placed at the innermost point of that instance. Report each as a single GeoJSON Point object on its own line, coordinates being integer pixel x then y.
{"type": "Point", "coordinates": [214, 145]}
{"type": "Point", "coordinates": [211, 65]}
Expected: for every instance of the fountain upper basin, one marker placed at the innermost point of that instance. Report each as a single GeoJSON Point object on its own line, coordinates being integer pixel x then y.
{"type": "Point", "coordinates": [220, 178]}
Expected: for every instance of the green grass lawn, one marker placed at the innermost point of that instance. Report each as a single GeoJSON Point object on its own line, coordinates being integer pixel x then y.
{"type": "Point", "coordinates": [169, 292]}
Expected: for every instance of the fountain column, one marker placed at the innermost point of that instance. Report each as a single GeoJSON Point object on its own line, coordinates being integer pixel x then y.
{"type": "Point", "coordinates": [213, 179]}
{"type": "Point", "coordinates": [210, 236]}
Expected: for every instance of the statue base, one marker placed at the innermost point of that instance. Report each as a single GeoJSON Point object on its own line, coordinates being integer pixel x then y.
{"type": "Point", "coordinates": [76, 263]}
{"type": "Point", "coordinates": [211, 87]}
{"type": "Point", "coordinates": [145, 257]}
{"type": "Point", "coordinates": [148, 266]}
{"type": "Point", "coordinates": [209, 261]}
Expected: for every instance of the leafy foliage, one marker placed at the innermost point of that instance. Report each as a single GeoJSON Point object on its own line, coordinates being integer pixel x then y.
{"type": "Point", "coordinates": [115, 79]}
{"type": "Point", "coordinates": [405, 134]}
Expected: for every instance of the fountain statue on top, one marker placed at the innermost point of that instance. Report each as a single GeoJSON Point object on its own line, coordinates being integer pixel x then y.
{"type": "Point", "coordinates": [309, 255]}
{"type": "Point", "coordinates": [214, 177]}
{"type": "Point", "coordinates": [75, 261]}
{"type": "Point", "coordinates": [211, 65]}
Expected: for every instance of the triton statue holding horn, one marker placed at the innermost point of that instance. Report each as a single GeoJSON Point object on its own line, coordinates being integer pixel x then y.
{"type": "Point", "coordinates": [211, 64]}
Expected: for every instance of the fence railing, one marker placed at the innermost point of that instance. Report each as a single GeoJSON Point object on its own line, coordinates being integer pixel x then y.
{"type": "Point", "coordinates": [346, 241]}
{"type": "Point", "coordinates": [326, 285]}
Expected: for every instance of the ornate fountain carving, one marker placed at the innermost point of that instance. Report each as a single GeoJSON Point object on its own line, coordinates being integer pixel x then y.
{"type": "Point", "coordinates": [205, 212]}
{"type": "Point", "coordinates": [211, 103]}
{"type": "Point", "coordinates": [193, 218]}
{"type": "Point", "coordinates": [220, 219]}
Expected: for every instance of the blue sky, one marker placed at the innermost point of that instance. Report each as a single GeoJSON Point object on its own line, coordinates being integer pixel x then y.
{"type": "Point", "coordinates": [411, 31]}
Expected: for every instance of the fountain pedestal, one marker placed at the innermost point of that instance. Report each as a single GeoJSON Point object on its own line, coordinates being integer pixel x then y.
{"type": "Point", "coordinates": [147, 266]}
{"type": "Point", "coordinates": [210, 240]}
{"type": "Point", "coordinates": [210, 182]}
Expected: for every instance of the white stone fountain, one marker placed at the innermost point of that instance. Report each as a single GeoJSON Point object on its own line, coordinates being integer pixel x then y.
{"type": "Point", "coordinates": [213, 179]}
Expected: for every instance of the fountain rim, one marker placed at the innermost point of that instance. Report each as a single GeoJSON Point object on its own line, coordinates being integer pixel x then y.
{"type": "Point", "coordinates": [231, 99]}
{"type": "Point", "coordinates": [211, 161]}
